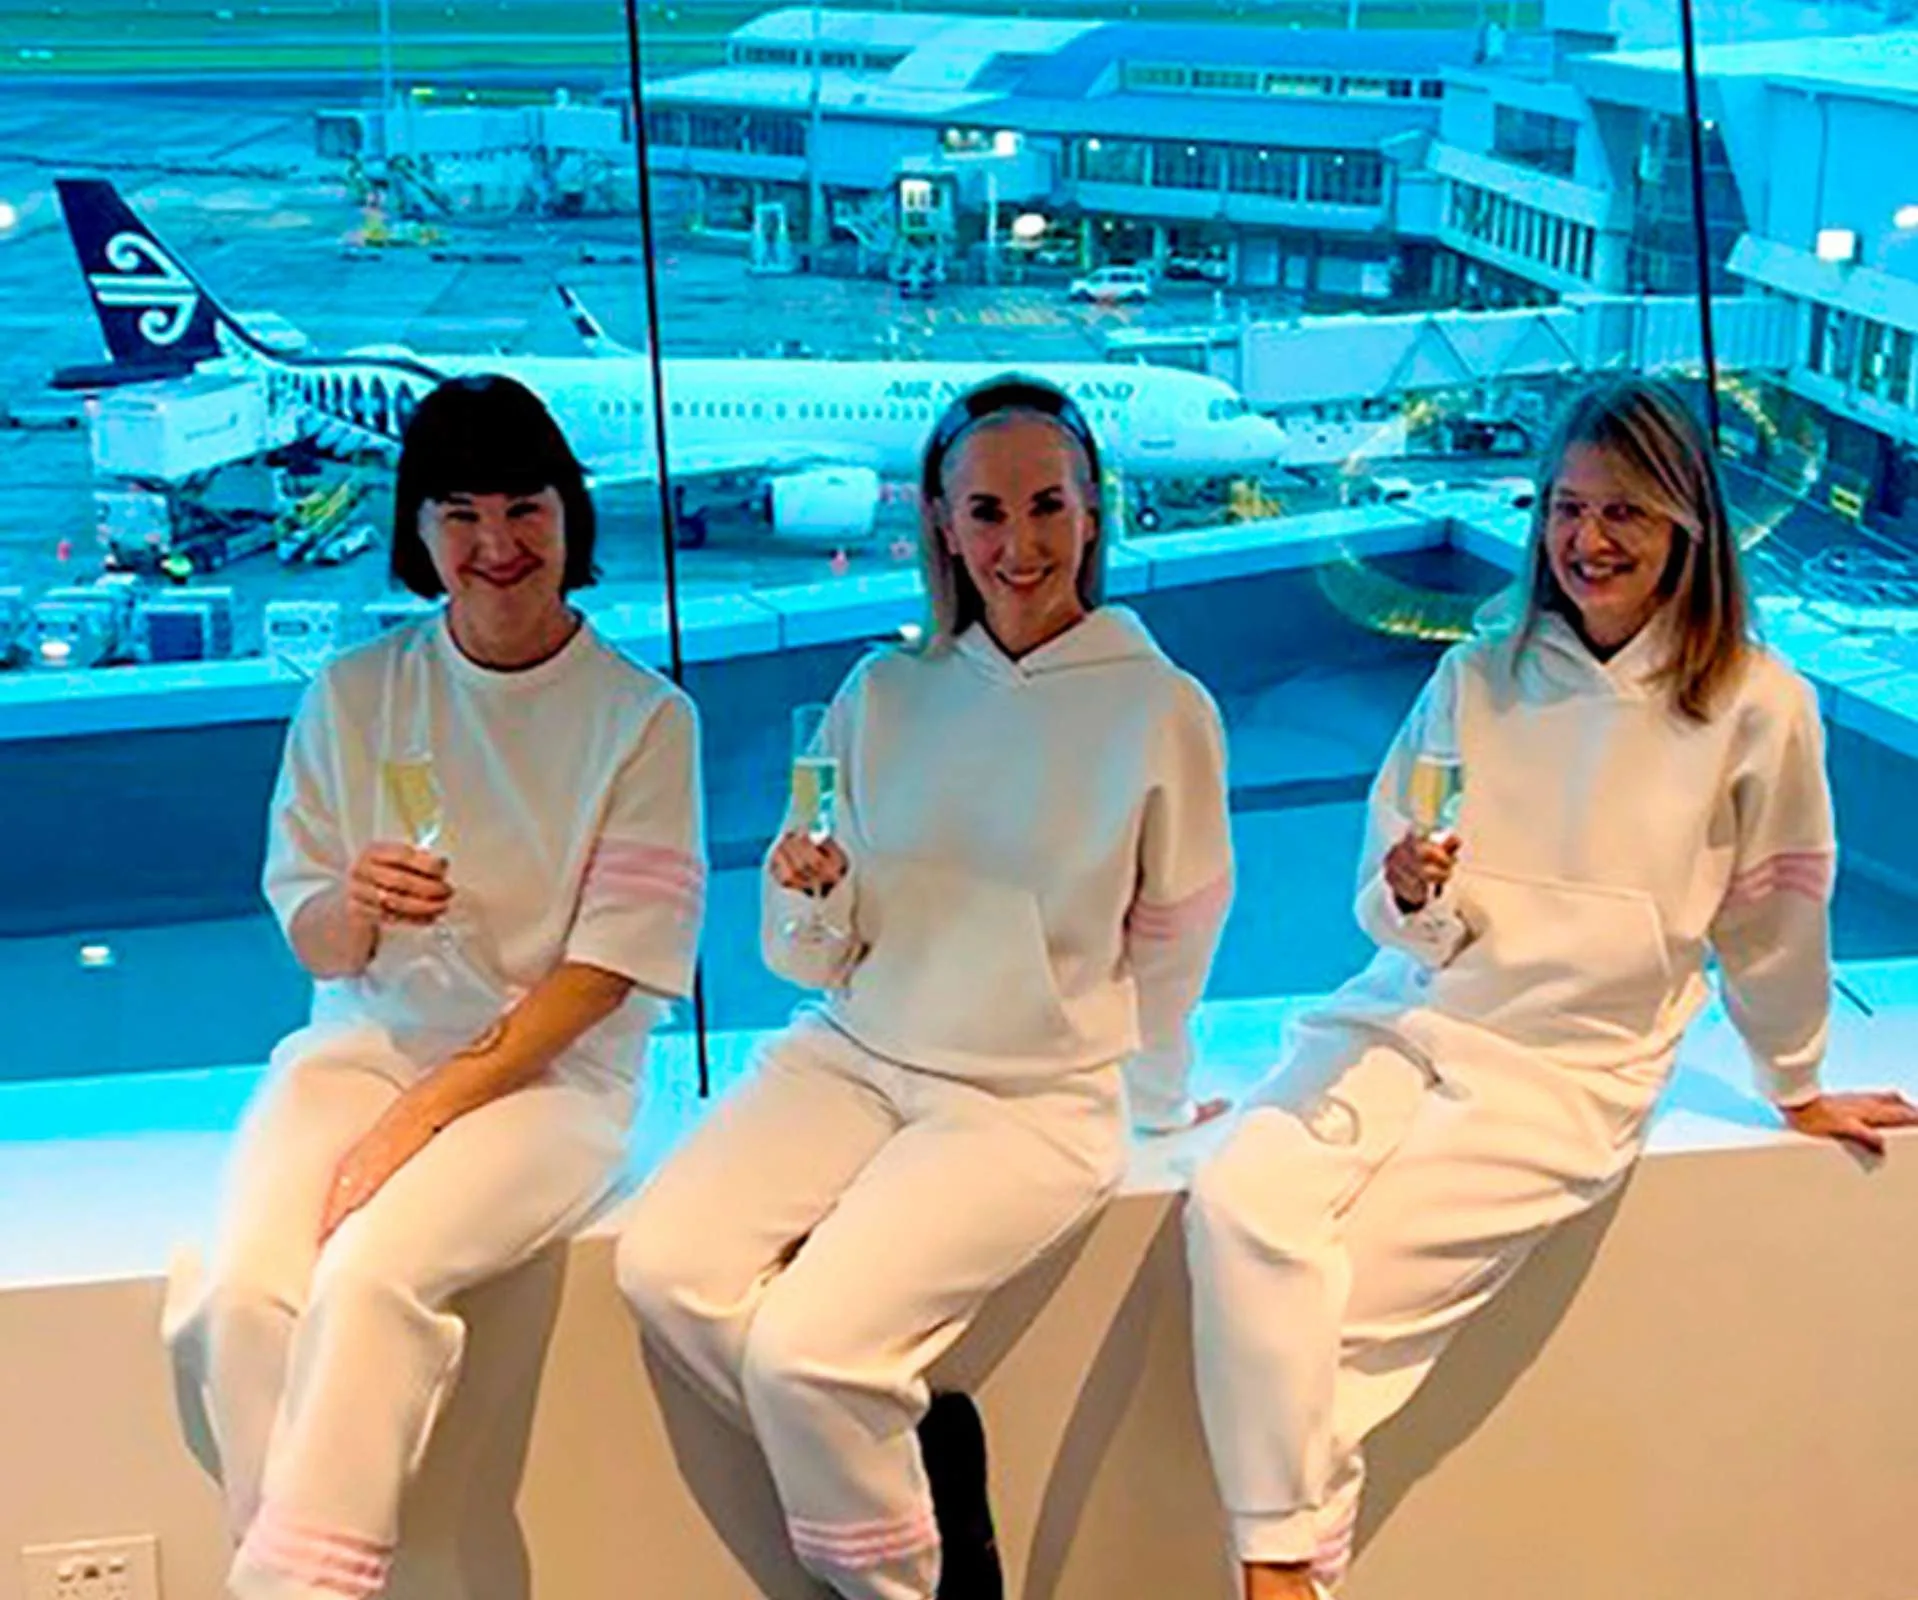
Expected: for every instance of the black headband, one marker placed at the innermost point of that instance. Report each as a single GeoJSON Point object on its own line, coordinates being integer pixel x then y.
{"type": "Point", "coordinates": [989, 400]}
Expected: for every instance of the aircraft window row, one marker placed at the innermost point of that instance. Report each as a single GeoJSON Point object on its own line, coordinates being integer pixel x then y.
{"type": "Point", "coordinates": [373, 403]}
{"type": "Point", "coordinates": [779, 410]}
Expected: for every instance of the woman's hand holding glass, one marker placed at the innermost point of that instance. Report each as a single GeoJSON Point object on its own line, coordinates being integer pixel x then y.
{"type": "Point", "coordinates": [398, 883]}
{"type": "Point", "coordinates": [1419, 866]}
{"type": "Point", "coordinates": [807, 858]}
{"type": "Point", "coordinates": [808, 865]}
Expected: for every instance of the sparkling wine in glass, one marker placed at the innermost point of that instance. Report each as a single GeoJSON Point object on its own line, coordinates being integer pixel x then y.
{"type": "Point", "coordinates": [815, 800]}
{"type": "Point", "coordinates": [1434, 792]}
{"type": "Point", "coordinates": [815, 782]}
{"type": "Point", "coordinates": [415, 792]}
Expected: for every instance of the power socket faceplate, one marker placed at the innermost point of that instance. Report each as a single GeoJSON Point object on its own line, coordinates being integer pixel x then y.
{"type": "Point", "coordinates": [94, 1569]}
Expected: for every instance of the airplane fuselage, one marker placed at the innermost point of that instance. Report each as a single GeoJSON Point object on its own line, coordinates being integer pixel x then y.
{"type": "Point", "coordinates": [809, 426]}
{"type": "Point", "coordinates": [1151, 422]}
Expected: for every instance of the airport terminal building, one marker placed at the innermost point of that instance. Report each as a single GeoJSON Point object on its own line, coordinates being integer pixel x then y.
{"type": "Point", "coordinates": [1281, 159]}
{"type": "Point", "coordinates": [1370, 170]}
{"type": "Point", "coordinates": [1581, 184]}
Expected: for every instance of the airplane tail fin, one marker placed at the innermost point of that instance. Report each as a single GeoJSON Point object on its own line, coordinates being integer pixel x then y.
{"type": "Point", "coordinates": [597, 341]}
{"type": "Point", "coordinates": [154, 314]}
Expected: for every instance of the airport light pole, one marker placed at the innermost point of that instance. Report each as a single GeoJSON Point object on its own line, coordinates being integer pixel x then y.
{"type": "Point", "coordinates": [1005, 146]}
{"type": "Point", "coordinates": [386, 56]}
{"type": "Point", "coordinates": [992, 223]}
{"type": "Point", "coordinates": [815, 190]}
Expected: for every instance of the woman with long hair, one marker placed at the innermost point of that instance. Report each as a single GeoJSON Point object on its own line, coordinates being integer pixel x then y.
{"type": "Point", "coordinates": [1010, 924]}
{"type": "Point", "coordinates": [1643, 789]}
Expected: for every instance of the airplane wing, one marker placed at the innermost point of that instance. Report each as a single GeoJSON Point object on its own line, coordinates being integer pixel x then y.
{"type": "Point", "coordinates": [768, 459]}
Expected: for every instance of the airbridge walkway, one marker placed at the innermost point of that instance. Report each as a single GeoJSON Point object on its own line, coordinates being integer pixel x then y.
{"type": "Point", "coordinates": [1337, 362]}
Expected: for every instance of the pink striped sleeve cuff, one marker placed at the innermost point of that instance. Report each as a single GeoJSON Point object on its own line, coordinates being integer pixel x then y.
{"type": "Point", "coordinates": [624, 870]}
{"type": "Point", "coordinates": [1806, 873]}
{"type": "Point", "coordinates": [1165, 922]}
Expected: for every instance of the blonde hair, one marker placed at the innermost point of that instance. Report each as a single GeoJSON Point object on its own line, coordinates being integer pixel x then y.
{"type": "Point", "coordinates": [952, 599]}
{"type": "Point", "coordinates": [1653, 439]}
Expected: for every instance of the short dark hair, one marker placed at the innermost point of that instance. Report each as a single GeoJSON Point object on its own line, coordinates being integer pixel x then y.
{"type": "Point", "coordinates": [486, 434]}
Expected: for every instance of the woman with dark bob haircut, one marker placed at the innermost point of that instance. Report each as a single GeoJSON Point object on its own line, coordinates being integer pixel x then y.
{"type": "Point", "coordinates": [487, 433]}
{"type": "Point", "coordinates": [485, 847]}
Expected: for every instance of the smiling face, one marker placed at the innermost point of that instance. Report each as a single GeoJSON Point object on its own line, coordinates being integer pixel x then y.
{"type": "Point", "coordinates": [1608, 549]}
{"type": "Point", "coordinates": [502, 560]}
{"type": "Point", "coordinates": [1019, 513]}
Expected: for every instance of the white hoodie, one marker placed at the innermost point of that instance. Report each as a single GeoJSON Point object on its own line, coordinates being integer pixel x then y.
{"type": "Point", "coordinates": [572, 828]}
{"type": "Point", "coordinates": [1609, 845]}
{"type": "Point", "coordinates": [1041, 861]}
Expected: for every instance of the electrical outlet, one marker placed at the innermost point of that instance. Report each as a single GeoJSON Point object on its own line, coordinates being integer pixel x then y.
{"type": "Point", "coordinates": [94, 1569]}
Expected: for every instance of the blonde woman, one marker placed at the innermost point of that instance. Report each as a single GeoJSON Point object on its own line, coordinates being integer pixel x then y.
{"type": "Point", "coordinates": [1018, 909]}
{"type": "Point", "coordinates": [1644, 787]}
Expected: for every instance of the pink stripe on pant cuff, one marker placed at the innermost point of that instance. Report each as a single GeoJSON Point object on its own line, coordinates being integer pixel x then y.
{"type": "Point", "coordinates": [340, 1563]}
{"type": "Point", "coordinates": [855, 1547]}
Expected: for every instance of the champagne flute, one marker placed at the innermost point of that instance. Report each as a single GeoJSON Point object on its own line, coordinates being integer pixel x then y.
{"type": "Point", "coordinates": [1434, 795]}
{"type": "Point", "coordinates": [815, 798]}
{"type": "Point", "coordinates": [1435, 792]}
{"type": "Point", "coordinates": [415, 793]}
{"type": "Point", "coordinates": [414, 789]}
{"type": "Point", "coordinates": [815, 777]}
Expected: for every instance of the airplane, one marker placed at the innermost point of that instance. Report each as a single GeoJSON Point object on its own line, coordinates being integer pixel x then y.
{"type": "Point", "coordinates": [815, 439]}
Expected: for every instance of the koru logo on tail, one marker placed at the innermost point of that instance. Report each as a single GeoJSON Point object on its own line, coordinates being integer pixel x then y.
{"type": "Point", "coordinates": [142, 275]}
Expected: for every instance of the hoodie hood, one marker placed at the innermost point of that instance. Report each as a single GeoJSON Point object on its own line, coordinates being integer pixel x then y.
{"type": "Point", "coordinates": [1633, 669]}
{"type": "Point", "coordinates": [1558, 655]}
{"type": "Point", "coordinates": [1102, 637]}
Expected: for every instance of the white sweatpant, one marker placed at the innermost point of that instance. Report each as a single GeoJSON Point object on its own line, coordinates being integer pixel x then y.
{"type": "Point", "coordinates": [321, 1370]}
{"type": "Point", "coordinates": [824, 1237]}
{"type": "Point", "coordinates": [1336, 1250]}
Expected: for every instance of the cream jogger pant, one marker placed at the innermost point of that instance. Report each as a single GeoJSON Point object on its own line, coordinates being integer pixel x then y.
{"type": "Point", "coordinates": [321, 1371]}
{"type": "Point", "coordinates": [824, 1237]}
{"type": "Point", "coordinates": [1335, 1254]}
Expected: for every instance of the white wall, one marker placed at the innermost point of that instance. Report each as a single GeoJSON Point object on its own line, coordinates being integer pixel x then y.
{"type": "Point", "coordinates": [1707, 1396]}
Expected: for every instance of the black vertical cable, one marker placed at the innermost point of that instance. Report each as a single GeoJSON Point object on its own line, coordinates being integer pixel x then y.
{"type": "Point", "coordinates": [1695, 131]}
{"type": "Point", "coordinates": [669, 532]}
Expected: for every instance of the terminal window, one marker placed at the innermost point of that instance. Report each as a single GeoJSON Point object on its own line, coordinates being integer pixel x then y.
{"type": "Point", "coordinates": [1536, 139]}
{"type": "Point", "coordinates": [1297, 83]}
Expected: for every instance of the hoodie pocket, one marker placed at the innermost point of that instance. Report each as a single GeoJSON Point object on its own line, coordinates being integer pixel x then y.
{"type": "Point", "coordinates": [1554, 964]}
{"type": "Point", "coordinates": [955, 962]}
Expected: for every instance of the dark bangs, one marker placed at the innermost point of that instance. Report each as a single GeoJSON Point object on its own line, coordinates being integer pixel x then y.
{"type": "Point", "coordinates": [486, 434]}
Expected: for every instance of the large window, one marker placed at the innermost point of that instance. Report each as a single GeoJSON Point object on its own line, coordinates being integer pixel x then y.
{"type": "Point", "coordinates": [1351, 306]}
{"type": "Point", "coordinates": [1536, 139]}
{"type": "Point", "coordinates": [1113, 160]}
{"type": "Point", "coordinates": [1263, 171]}
{"type": "Point", "coordinates": [1545, 240]}
{"type": "Point", "coordinates": [1186, 166]}
{"type": "Point", "coordinates": [1342, 179]}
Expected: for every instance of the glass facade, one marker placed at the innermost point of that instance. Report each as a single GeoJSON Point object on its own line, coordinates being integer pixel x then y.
{"type": "Point", "coordinates": [1536, 139]}
{"type": "Point", "coordinates": [1368, 269]}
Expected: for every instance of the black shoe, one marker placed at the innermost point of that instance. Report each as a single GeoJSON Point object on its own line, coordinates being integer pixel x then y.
{"type": "Point", "coordinates": [953, 1442]}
